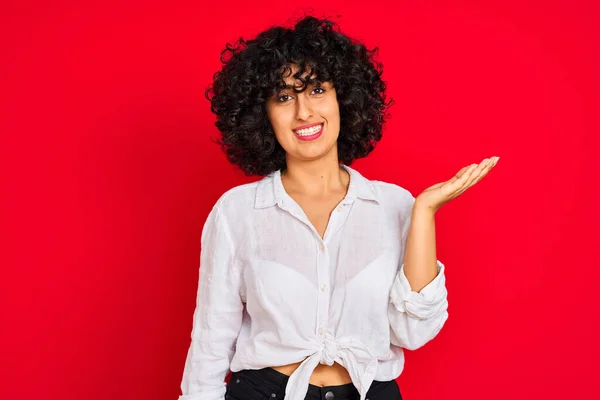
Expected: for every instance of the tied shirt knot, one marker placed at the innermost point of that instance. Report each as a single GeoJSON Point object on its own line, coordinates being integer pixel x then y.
{"type": "Point", "coordinates": [329, 350]}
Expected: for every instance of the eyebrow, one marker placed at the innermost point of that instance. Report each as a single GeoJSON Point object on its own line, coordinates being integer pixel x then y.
{"type": "Point", "coordinates": [316, 83]}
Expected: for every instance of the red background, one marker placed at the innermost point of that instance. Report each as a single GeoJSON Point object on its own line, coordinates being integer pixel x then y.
{"type": "Point", "coordinates": [108, 173]}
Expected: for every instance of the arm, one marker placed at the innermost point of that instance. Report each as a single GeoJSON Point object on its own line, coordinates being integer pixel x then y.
{"type": "Point", "coordinates": [418, 299]}
{"type": "Point", "coordinates": [218, 315]}
{"type": "Point", "coordinates": [420, 261]}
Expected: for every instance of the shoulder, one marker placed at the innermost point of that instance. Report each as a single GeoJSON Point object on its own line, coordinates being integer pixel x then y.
{"type": "Point", "coordinates": [238, 198]}
{"type": "Point", "coordinates": [395, 198]}
{"type": "Point", "coordinates": [391, 190]}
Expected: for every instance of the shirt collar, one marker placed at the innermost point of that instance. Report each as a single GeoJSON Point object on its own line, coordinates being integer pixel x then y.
{"type": "Point", "coordinates": [270, 190]}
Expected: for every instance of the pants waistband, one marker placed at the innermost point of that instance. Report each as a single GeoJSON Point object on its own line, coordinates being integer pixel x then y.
{"type": "Point", "coordinates": [276, 379]}
{"type": "Point", "coordinates": [346, 390]}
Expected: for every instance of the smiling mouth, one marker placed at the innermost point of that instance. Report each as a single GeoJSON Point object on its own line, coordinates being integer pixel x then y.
{"type": "Point", "coordinates": [309, 131]}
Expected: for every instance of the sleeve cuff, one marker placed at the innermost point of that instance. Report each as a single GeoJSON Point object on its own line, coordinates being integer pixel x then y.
{"type": "Point", "coordinates": [420, 305]}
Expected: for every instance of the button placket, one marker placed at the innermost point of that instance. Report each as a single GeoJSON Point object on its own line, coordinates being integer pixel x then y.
{"type": "Point", "coordinates": [296, 211]}
{"type": "Point", "coordinates": [323, 266]}
{"type": "Point", "coordinates": [338, 218]}
{"type": "Point", "coordinates": [323, 262]}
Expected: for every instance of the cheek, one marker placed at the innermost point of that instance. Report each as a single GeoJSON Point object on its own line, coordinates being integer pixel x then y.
{"type": "Point", "coordinates": [332, 110]}
{"type": "Point", "coordinates": [279, 122]}
{"type": "Point", "coordinates": [283, 134]}
{"type": "Point", "coordinates": [282, 130]}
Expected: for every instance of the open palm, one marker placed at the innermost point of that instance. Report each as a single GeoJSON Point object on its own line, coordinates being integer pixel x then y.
{"type": "Point", "coordinates": [439, 194]}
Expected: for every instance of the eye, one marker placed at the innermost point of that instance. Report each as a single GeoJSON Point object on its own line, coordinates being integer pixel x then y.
{"type": "Point", "coordinates": [281, 99]}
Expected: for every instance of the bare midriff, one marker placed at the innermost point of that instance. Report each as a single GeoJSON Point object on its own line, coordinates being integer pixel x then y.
{"type": "Point", "coordinates": [323, 375]}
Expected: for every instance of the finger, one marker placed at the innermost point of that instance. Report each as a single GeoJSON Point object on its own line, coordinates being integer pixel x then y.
{"type": "Point", "coordinates": [485, 171]}
{"type": "Point", "coordinates": [458, 174]}
{"type": "Point", "coordinates": [481, 168]}
{"type": "Point", "coordinates": [462, 171]}
{"type": "Point", "coordinates": [451, 180]}
{"type": "Point", "coordinates": [464, 179]}
{"type": "Point", "coordinates": [476, 176]}
{"type": "Point", "coordinates": [478, 171]}
{"type": "Point", "coordinates": [469, 176]}
{"type": "Point", "coordinates": [437, 185]}
{"type": "Point", "coordinates": [461, 182]}
{"type": "Point", "coordinates": [479, 177]}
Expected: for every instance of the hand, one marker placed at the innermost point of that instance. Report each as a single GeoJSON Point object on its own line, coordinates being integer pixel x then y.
{"type": "Point", "coordinates": [437, 195]}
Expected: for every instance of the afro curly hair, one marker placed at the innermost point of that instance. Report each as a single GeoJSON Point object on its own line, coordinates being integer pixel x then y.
{"type": "Point", "coordinates": [254, 70]}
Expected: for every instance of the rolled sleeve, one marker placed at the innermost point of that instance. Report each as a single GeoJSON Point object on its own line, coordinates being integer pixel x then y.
{"type": "Point", "coordinates": [423, 304]}
{"type": "Point", "coordinates": [417, 317]}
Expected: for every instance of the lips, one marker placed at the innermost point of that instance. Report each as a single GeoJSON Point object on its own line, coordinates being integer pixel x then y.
{"type": "Point", "coordinates": [307, 126]}
{"type": "Point", "coordinates": [311, 133]}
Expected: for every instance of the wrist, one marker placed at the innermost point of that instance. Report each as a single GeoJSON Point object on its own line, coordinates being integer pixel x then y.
{"type": "Point", "coordinates": [422, 209]}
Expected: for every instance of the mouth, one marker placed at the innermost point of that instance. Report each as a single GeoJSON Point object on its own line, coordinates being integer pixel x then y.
{"type": "Point", "coordinates": [309, 133]}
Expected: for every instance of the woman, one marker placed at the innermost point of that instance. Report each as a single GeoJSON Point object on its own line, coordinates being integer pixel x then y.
{"type": "Point", "coordinates": [314, 278]}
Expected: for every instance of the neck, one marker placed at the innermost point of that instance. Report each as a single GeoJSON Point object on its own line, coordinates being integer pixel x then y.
{"type": "Point", "coordinates": [315, 178]}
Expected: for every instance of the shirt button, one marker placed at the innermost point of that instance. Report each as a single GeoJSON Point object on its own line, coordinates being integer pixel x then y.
{"type": "Point", "coordinates": [320, 331]}
{"type": "Point", "coordinates": [340, 209]}
{"type": "Point", "coordinates": [323, 288]}
{"type": "Point", "coordinates": [321, 247]}
{"type": "Point", "coordinates": [329, 395]}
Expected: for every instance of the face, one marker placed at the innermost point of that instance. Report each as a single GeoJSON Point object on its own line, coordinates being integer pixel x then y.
{"type": "Point", "coordinates": [307, 124]}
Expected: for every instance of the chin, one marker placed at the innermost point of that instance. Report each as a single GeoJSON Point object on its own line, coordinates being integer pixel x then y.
{"type": "Point", "coordinates": [315, 153]}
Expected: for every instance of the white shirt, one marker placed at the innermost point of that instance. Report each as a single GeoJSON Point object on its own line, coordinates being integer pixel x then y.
{"type": "Point", "coordinates": [272, 292]}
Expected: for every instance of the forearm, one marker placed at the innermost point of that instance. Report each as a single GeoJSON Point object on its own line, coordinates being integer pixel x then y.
{"type": "Point", "coordinates": [420, 258]}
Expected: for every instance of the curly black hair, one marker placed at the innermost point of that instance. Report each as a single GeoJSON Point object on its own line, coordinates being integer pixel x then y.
{"type": "Point", "coordinates": [254, 70]}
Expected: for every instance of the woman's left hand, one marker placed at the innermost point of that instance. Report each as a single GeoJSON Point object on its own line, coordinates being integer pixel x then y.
{"type": "Point", "coordinates": [437, 195]}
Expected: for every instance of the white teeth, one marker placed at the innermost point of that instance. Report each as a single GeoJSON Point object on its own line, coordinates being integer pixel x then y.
{"type": "Point", "coordinates": [309, 131]}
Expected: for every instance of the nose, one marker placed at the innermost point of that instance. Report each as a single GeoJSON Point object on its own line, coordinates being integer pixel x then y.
{"type": "Point", "coordinates": [304, 108]}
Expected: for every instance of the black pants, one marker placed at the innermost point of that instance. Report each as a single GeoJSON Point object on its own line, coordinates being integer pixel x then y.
{"type": "Point", "coordinates": [268, 384]}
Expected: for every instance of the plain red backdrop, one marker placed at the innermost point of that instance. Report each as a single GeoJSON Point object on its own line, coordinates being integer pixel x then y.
{"type": "Point", "coordinates": [108, 173]}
